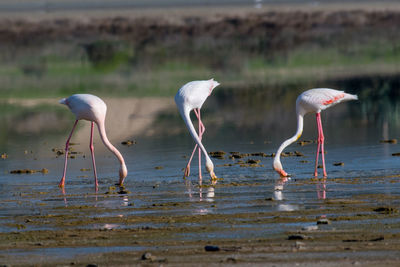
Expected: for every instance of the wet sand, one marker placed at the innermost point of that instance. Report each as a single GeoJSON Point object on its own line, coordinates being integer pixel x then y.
{"type": "Point", "coordinates": [362, 230]}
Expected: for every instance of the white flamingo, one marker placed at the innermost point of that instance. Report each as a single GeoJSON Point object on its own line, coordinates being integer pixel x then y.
{"type": "Point", "coordinates": [313, 100]}
{"type": "Point", "coordinates": [91, 108]}
{"type": "Point", "coordinates": [190, 97]}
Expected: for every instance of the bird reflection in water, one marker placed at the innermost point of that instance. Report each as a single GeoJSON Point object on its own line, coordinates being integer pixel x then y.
{"type": "Point", "coordinates": [278, 195]}
{"type": "Point", "coordinates": [321, 188]}
{"type": "Point", "coordinates": [122, 195]}
{"type": "Point", "coordinates": [204, 195]}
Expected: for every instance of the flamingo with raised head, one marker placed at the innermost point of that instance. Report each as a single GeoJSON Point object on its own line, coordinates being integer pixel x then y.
{"type": "Point", "coordinates": [313, 100]}
{"type": "Point", "coordinates": [192, 96]}
{"type": "Point", "coordinates": [91, 108]}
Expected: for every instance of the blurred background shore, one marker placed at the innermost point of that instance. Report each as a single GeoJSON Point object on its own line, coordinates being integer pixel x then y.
{"type": "Point", "coordinates": [264, 53]}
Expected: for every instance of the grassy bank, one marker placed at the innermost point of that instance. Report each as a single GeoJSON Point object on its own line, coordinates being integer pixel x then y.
{"type": "Point", "coordinates": [128, 57]}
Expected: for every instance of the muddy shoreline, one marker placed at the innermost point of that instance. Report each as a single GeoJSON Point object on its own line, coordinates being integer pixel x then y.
{"type": "Point", "coordinates": [362, 230]}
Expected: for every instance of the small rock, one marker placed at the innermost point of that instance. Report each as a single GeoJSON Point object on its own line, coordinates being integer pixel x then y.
{"type": "Point", "coordinates": [128, 142]}
{"type": "Point", "coordinates": [158, 167]}
{"type": "Point", "coordinates": [211, 248]}
{"type": "Point", "coordinates": [386, 210]}
{"type": "Point", "coordinates": [253, 161]}
{"type": "Point", "coordinates": [217, 154]}
{"type": "Point", "coordinates": [298, 154]}
{"type": "Point", "coordinates": [91, 265]}
{"type": "Point", "coordinates": [258, 154]}
{"type": "Point", "coordinates": [396, 154]}
{"type": "Point", "coordinates": [323, 221]}
{"type": "Point", "coordinates": [310, 228]}
{"type": "Point", "coordinates": [148, 256]}
{"type": "Point", "coordinates": [389, 141]}
{"type": "Point", "coordinates": [296, 237]}
{"type": "Point", "coordinates": [338, 164]}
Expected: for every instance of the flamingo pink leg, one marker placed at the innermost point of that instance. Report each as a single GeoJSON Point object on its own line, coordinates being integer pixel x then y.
{"type": "Point", "coordinates": [62, 182]}
{"type": "Point", "coordinates": [320, 146]}
{"type": "Point", "coordinates": [201, 131]}
{"type": "Point", "coordinates": [93, 160]}
{"type": "Point", "coordinates": [200, 137]}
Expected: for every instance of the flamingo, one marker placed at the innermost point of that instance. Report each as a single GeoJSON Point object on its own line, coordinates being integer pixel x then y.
{"type": "Point", "coordinates": [192, 96]}
{"type": "Point", "coordinates": [92, 108]}
{"type": "Point", "coordinates": [313, 100]}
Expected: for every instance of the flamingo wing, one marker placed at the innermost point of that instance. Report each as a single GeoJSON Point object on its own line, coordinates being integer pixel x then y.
{"type": "Point", "coordinates": [322, 98]}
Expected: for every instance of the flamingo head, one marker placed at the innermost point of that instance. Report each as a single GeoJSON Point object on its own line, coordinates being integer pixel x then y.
{"type": "Point", "coordinates": [213, 84]}
{"type": "Point", "coordinates": [278, 168]}
{"type": "Point", "coordinates": [210, 169]}
{"type": "Point", "coordinates": [123, 172]}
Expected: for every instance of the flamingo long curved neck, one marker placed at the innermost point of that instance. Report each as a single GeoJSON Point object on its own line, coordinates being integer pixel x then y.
{"type": "Point", "coordinates": [289, 141]}
{"type": "Point", "coordinates": [188, 122]}
{"type": "Point", "coordinates": [123, 170]}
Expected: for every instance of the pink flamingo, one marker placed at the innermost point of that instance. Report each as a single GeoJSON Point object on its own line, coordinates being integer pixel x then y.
{"type": "Point", "coordinates": [189, 97]}
{"type": "Point", "coordinates": [313, 100]}
{"type": "Point", "coordinates": [91, 108]}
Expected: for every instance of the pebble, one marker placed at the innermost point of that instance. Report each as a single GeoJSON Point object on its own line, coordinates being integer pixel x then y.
{"type": "Point", "coordinates": [296, 237]}
{"type": "Point", "coordinates": [386, 210]}
{"type": "Point", "coordinates": [211, 248]}
{"type": "Point", "coordinates": [44, 171]}
{"type": "Point", "coordinates": [389, 141]}
{"type": "Point", "coordinates": [310, 228]}
{"type": "Point", "coordinates": [323, 221]}
{"type": "Point", "coordinates": [338, 164]}
{"type": "Point", "coordinates": [128, 142]}
{"type": "Point", "coordinates": [148, 256]}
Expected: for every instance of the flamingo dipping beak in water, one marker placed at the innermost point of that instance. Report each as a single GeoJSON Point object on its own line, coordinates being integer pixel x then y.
{"type": "Point", "coordinates": [313, 100]}
{"type": "Point", "coordinates": [91, 108]}
{"type": "Point", "coordinates": [190, 97]}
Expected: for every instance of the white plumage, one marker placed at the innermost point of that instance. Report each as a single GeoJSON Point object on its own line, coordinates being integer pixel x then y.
{"type": "Point", "coordinates": [91, 108]}
{"type": "Point", "coordinates": [313, 100]}
{"type": "Point", "coordinates": [192, 96]}
{"type": "Point", "coordinates": [316, 100]}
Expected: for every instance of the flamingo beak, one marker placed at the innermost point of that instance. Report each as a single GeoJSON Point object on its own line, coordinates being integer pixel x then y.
{"type": "Point", "coordinates": [213, 177]}
{"type": "Point", "coordinates": [282, 173]}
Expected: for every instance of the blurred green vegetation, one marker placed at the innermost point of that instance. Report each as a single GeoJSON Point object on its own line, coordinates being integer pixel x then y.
{"type": "Point", "coordinates": [118, 68]}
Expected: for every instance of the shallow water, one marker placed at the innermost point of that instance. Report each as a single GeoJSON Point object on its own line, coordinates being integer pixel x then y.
{"type": "Point", "coordinates": [369, 169]}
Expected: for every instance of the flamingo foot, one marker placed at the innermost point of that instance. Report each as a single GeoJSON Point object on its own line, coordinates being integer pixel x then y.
{"type": "Point", "coordinates": [187, 172]}
{"type": "Point", "coordinates": [316, 174]}
{"type": "Point", "coordinates": [62, 183]}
